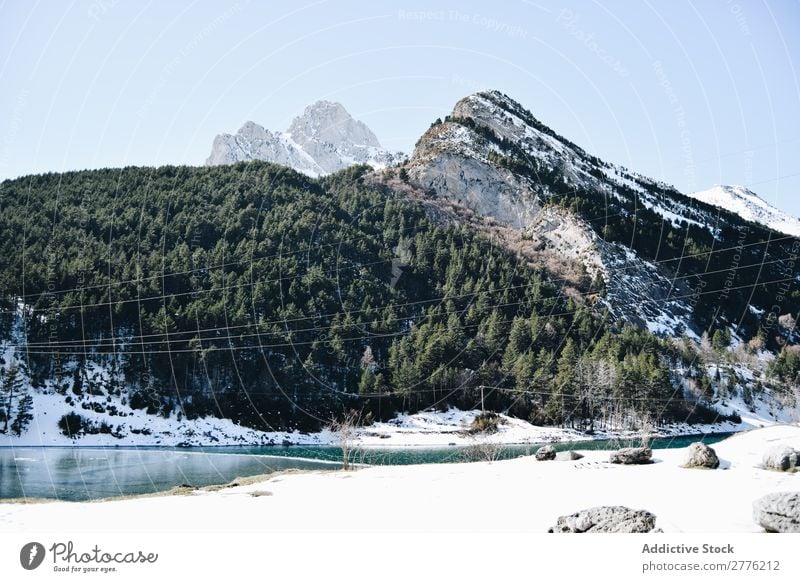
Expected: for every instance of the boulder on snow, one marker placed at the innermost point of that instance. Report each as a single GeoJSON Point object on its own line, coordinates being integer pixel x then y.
{"type": "Point", "coordinates": [700, 455]}
{"type": "Point", "coordinates": [546, 453]}
{"type": "Point", "coordinates": [782, 458]}
{"type": "Point", "coordinates": [606, 519]}
{"type": "Point", "coordinates": [778, 512]}
{"type": "Point", "coordinates": [632, 456]}
{"type": "Point", "coordinates": [571, 456]}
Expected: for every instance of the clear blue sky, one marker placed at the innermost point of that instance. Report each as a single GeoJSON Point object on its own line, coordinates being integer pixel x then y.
{"type": "Point", "coordinates": [693, 93]}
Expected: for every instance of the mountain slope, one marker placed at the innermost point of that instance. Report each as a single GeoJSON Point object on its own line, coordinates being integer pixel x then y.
{"type": "Point", "coordinates": [668, 262]}
{"type": "Point", "coordinates": [324, 139]}
{"type": "Point", "coordinates": [750, 206]}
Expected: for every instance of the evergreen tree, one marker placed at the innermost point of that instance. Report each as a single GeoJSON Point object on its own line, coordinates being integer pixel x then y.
{"type": "Point", "coordinates": [11, 390]}
{"type": "Point", "coordinates": [288, 277]}
{"type": "Point", "coordinates": [706, 388]}
{"type": "Point", "coordinates": [518, 342]}
{"type": "Point", "coordinates": [24, 414]}
{"type": "Point", "coordinates": [367, 383]}
{"type": "Point", "coordinates": [721, 339]}
{"type": "Point", "coordinates": [561, 406]}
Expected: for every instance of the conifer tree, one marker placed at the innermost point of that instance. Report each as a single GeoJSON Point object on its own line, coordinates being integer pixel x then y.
{"type": "Point", "coordinates": [11, 390]}
{"type": "Point", "coordinates": [24, 414]}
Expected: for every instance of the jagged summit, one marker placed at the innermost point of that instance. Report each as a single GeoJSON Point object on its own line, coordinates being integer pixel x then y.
{"type": "Point", "coordinates": [323, 139]}
{"type": "Point", "coordinates": [329, 122]}
{"type": "Point", "coordinates": [750, 206]}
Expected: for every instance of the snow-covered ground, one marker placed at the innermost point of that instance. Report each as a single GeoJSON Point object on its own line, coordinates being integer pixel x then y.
{"type": "Point", "coordinates": [452, 427]}
{"type": "Point", "coordinates": [522, 495]}
{"type": "Point", "coordinates": [139, 428]}
{"type": "Point", "coordinates": [421, 429]}
{"type": "Point", "coordinates": [126, 426]}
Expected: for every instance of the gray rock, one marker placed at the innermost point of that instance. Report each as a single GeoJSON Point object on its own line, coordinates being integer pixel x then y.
{"type": "Point", "coordinates": [781, 458]}
{"type": "Point", "coordinates": [546, 453]}
{"type": "Point", "coordinates": [571, 456]}
{"type": "Point", "coordinates": [700, 455]}
{"type": "Point", "coordinates": [778, 512]}
{"type": "Point", "coordinates": [632, 456]}
{"type": "Point", "coordinates": [606, 519]}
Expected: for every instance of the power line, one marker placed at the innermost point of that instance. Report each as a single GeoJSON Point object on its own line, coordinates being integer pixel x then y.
{"type": "Point", "coordinates": [393, 334]}
{"type": "Point", "coordinates": [112, 341]}
{"type": "Point", "coordinates": [138, 300]}
{"type": "Point", "coordinates": [223, 265]}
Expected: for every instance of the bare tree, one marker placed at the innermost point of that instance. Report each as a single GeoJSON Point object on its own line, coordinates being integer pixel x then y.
{"type": "Point", "coordinates": [345, 430]}
{"type": "Point", "coordinates": [646, 431]}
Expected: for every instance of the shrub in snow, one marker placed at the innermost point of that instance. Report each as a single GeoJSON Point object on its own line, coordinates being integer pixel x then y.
{"type": "Point", "coordinates": [486, 422]}
{"type": "Point", "coordinates": [72, 424]}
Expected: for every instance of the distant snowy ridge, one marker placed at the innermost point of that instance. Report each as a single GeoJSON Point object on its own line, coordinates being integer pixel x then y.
{"type": "Point", "coordinates": [324, 139]}
{"type": "Point", "coordinates": [750, 206]}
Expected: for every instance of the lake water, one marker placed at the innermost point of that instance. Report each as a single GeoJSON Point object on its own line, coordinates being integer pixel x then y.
{"type": "Point", "coordinates": [82, 473]}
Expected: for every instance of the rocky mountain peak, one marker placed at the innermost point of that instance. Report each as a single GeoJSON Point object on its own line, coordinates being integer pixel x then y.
{"type": "Point", "coordinates": [253, 131]}
{"type": "Point", "coordinates": [329, 122]}
{"type": "Point", "coordinates": [323, 139]}
{"type": "Point", "coordinates": [492, 156]}
{"type": "Point", "coordinates": [475, 154]}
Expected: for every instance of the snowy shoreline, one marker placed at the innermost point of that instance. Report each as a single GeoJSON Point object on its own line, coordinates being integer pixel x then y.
{"type": "Point", "coordinates": [422, 429]}
{"type": "Point", "coordinates": [434, 497]}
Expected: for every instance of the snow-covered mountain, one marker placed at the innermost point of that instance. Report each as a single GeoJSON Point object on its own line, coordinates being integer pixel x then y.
{"type": "Point", "coordinates": [493, 157]}
{"type": "Point", "coordinates": [749, 206]}
{"type": "Point", "coordinates": [324, 139]}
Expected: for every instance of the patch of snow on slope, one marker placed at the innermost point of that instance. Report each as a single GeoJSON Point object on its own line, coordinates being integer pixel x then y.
{"type": "Point", "coordinates": [750, 206]}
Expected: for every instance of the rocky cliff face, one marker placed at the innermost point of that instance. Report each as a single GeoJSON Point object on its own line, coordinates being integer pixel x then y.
{"type": "Point", "coordinates": [324, 139]}
{"type": "Point", "coordinates": [454, 162]}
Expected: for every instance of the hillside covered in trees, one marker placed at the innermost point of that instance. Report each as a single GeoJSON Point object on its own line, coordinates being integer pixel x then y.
{"type": "Point", "coordinates": [254, 293]}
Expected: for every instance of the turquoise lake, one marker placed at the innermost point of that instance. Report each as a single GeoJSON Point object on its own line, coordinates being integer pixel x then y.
{"type": "Point", "coordinates": [84, 473]}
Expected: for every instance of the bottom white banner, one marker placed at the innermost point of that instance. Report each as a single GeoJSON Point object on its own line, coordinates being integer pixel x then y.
{"type": "Point", "coordinates": [387, 556]}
